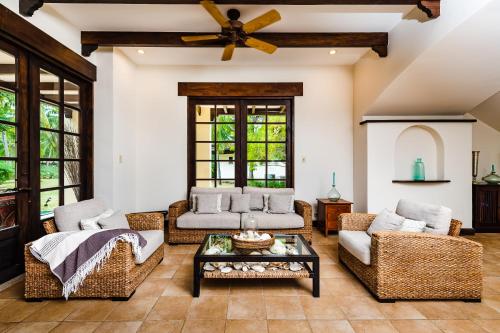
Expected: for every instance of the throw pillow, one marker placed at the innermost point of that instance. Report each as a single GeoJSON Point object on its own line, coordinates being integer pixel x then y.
{"type": "Point", "coordinates": [91, 223]}
{"type": "Point", "coordinates": [116, 221]}
{"type": "Point", "coordinates": [385, 221]}
{"type": "Point", "coordinates": [208, 203]}
{"type": "Point", "coordinates": [281, 203]}
{"type": "Point", "coordinates": [410, 225]}
{"type": "Point", "coordinates": [240, 203]}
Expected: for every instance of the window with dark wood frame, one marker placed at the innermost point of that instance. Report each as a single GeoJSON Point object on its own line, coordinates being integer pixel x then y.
{"type": "Point", "coordinates": [240, 141]}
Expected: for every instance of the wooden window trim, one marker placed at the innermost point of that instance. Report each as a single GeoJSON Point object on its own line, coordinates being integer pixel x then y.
{"type": "Point", "coordinates": [240, 89]}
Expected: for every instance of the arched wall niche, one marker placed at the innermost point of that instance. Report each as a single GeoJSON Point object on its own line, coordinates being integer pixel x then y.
{"type": "Point", "coordinates": [419, 141]}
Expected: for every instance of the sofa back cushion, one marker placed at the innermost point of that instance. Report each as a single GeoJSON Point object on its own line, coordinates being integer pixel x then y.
{"type": "Point", "coordinates": [437, 218]}
{"type": "Point", "coordinates": [226, 195]}
{"type": "Point", "coordinates": [257, 195]}
{"type": "Point", "coordinates": [385, 221]}
{"type": "Point", "coordinates": [68, 217]}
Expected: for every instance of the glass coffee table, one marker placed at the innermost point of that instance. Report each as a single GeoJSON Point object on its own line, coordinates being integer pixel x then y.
{"type": "Point", "coordinates": [216, 259]}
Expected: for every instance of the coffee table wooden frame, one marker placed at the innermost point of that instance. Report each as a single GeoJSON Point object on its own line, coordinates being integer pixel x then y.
{"type": "Point", "coordinates": [312, 257]}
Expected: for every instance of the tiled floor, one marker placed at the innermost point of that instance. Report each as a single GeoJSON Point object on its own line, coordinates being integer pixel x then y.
{"type": "Point", "coordinates": [163, 303]}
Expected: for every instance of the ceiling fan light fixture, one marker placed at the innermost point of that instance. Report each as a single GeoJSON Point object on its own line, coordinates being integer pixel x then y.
{"type": "Point", "coordinates": [140, 51]}
{"type": "Point", "coordinates": [333, 52]}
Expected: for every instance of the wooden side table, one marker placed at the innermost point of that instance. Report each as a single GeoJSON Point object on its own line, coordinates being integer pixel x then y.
{"type": "Point", "coordinates": [329, 211]}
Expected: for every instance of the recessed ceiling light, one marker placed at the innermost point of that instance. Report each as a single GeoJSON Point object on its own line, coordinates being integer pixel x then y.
{"type": "Point", "coordinates": [140, 51]}
{"type": "Point", "coordinates": [333, 51]}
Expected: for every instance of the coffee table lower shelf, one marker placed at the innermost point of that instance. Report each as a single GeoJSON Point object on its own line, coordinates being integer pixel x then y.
{"type": "Point", "coordinates": [278, 274]}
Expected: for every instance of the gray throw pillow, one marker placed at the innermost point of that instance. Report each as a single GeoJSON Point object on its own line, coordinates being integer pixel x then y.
{"type": "Point", "coordinates": [208, 203]}
{"type": "Point", "coordinates": [240, 203]}
{"type": "Point", "coordinates": [281, 203]}
{"type": "Point", "coordinates": [385, 221]}
{"type": "Point", "coordinates": [116, 221]}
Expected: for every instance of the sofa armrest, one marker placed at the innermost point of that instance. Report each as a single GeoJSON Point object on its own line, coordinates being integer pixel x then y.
{"type": "Point", "coordinates": [178, 208]}
{"type": "Point", "coordinates": [355, 221]}
{"type": "Point", "coordinates": [145, 221]}
{"type": "Point", "coordinates": [304, 209]}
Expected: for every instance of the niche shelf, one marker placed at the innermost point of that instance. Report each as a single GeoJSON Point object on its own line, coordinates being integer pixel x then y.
{"type": "Point", "coordinates": [435, 181]}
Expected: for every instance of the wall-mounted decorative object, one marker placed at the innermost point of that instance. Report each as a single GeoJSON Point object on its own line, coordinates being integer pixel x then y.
{"type": "Point", "coordinates": [492, 178]}
{"type": "Point", "coordinates": [419, 170]}
{"type": "Point", "coordinates": [475, 165]}
{"type": "Point", "coordinates": [333, 195]}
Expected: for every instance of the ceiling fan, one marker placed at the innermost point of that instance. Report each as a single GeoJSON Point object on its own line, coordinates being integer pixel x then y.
{"type": "Point", "coordinates": [234, 32]}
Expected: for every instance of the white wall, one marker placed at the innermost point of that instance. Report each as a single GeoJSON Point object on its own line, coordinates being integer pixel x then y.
{"type": "Point", "coordinates": [487, 140]}
{"type": "Point", "coordinates": [457, 147]}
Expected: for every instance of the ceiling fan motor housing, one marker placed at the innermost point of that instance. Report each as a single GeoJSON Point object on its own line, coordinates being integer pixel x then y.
{"type": "Point", "coordinates": [233, 14]}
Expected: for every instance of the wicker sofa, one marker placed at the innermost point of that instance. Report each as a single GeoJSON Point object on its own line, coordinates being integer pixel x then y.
{"type": "Point", "coordinates": [117, 279]}
{"type": "Point", "coordinates": [415, 266]}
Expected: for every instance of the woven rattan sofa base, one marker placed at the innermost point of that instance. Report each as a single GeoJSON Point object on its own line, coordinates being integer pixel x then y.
{"type": "Point", "coordinates": [413, 266]}
{"type": "Point", "coordinates": [190, 236]}
{"type": "Point", "coordinates": [117, 279]}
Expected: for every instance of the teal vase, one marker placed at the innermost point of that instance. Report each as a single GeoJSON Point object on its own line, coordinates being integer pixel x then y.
{"type": "Point", "coordinates": [419, 170]}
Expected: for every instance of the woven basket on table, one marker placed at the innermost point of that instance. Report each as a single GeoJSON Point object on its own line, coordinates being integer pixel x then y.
{"type": "Point", "coordinates": [246, 246]}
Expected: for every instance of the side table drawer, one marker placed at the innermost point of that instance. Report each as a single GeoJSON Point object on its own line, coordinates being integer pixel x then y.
{"type": "Point", "coordinates": [332, 214]}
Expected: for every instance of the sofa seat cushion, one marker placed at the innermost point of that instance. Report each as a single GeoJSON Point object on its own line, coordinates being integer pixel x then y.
{"type": "Point", "coordinates": [437, 218]}
{"type": "Point", "coordinates": [224, 220]}
{"type": "Point", "coordinates": [358, 243]}
{"type": "Point", "coordinates": [155, 239]}
{"type": "Point", "coordinates": [275, 221]}
{"type": "Point", "coordinates": [226, 195]}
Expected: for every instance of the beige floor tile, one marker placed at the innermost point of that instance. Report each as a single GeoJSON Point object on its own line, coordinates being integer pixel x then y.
{"type": "Point", "coordinates": [359, 308]}
{"type": "Point", "coordinates": [18, 310]}
{"type": "Point", "coordinates": [344, 287]}
{"type": "Point", "coordinates": [279, 288]}
{"type": "Point", "coordinates": [400, 310]}
{"type": "Point", "coordinates": [204, 326]}
{"type": "Point", "coordinates": [56, 310]}
{"type": "Point", "coordinates": [288, 326]}
{"type": "Point", "coordinates": [15, 291]}
{"type": "Point", "coordinates": [321, 308]}
{"type": "Point", "coordinates": [246, 326]}
{"type": "Point", "coordinates": [244, 307]}
{"type": "Point", "coordinates": [161, 326]}
{"type": "Point", "coordinates": [164, 271]}
{"type": "Point", "coordinates": [4, 327]}
{"type": "Point", "coordinates": [284, 307]}
{"type": "Point", "coordinates": [334, 271]}
{"type": "Point", "coordinates": [151, 288]}
{"type": "Point", "coordinates": [492, 301]}
{"type": "Point", "coordinates": [35, 327]}
{"type": "Point", "coordinates": [74, 327]}
{"type": "Point", "coordinates": [415, 326]}
{"type": "Point", "coordinates": [245, 287]}
{"type": "Point", "coordinates": [371, 326]}
{"type": "Point", "coordinates": [331, 326]}
{"type": "Point", "coordinates": [440, 310]}
{"type": "Point", "coordinates": [212, 287]}
{"type": "Point", "coordinates": [179, 287]}
{"type": "Point", "coordinates": [208, 307]}
{"type": "Point", "coordinates": [490, 326]}
{"type": "Point", "coordinates": [184, 271]}
{"type": "Point", "coordinates": [92, 310]}
{"type": "Point", "coordinates": [119, 327]}
{"type": "Point", "coordinates": [479, 311]}
{"type": "Point", "coordinates": [181, 249]}
{"type": "Point", "coordinates": [170, 308]}
{"type": "Point", "coordinates": [173, 259]}
{"type": "Point", "coordinates": [4, 302]}
{"type": "Point", "coordinates": [458, 326]}
{"type": "Point", "coordinates": [133, 310]}
{"type": "Point", "coordinates": [492, 283]}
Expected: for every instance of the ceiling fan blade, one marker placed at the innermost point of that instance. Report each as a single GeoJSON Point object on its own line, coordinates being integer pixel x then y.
{"type": "Point", "coordinates": [260, 45]}
{"type": "Point", "coordinates": [215, 12]}
{"type": "Point", "coordinates": [228, 52]}
{"type": "Point", "coordinates": [199, 38]}
{"type": "Point", "coordinates": [262, 21]}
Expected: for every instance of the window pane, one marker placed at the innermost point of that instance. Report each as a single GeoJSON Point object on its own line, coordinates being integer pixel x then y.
{"type": "Point", "coordinates": [8, 141]}
{"type": "Point", "coordinates": [205, 132]}
{"type": "Point", "coordinates": [71, 146]}
{"type": "Point", "coordinates": [49, 116]}
{"type": "Point", "coordinates": [276, 133]}
{"type": "Point", "coordinates": [256, 183]}
{"type": "Point", "coordinates": [225, 170]}
{"type": "Point", "coordinates": [276, 113]}
{"type": "Point", "coordinates": [256, 151]}
{"type": "Point", "coordinates": [226, 132]}
{"type": "Point", "coordinates": [205, 170]}
{"type": "Point", "coordinates": [205, 183]}
{"type": "Point", "coordinates": [49, 86]}
{"type": "Point", "coordinates": [49, 144]}
{"type": "Point", "coordinates": [8, 74]}
{"type": "Point", "coordinates": [256, 113]}
{"type": "Point", "coordinates": [7, 104]}
{"type": "Point", "coordinates": [276, 184]}
{"type": "Point", "coordinates": [225, 114]}
{"type": "Point", "coordinates": [204, 113]}
{"type": "Point", "coordinates": [276, 170]}
{"type": "Point", "coordinates": [226, 183]}
{"type": "Point", "coordinates": [48, 201]}
{"type": "Point", "coordinates": [226, 151]}
{"type": "Point", "coordinates": [71, 173]}
{"type": "Point", "coordinates": [205, 151]}
{"type": "Point", "coordinates": [71, 94]}
{"type": "Point", "coordinates": [71, 195]}
{"type": "Point", "coordinates": [9, 209]}
{"type": "Point", "coordinates": [71, 120]}
{"type": "Point", "coordinates": [277, 152]}
{"type": "Point", "coordinates": [7, 175]}
{"type": "Point", "coordinates": [256, 170]}
{"type": "Point", "coordinates": [256, 132]}
{"type": "Point", "coordinates": [49, 174]}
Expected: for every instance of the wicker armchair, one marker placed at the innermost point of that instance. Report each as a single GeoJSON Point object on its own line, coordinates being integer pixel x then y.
{"type": "Point", "coordinates": [176, 235]}
{"type": "Point", "coordinates": [117, 279]}
{"type": "Point", "coordinates": [416, 265]}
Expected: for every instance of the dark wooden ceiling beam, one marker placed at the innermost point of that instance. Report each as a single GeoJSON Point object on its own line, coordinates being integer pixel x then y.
{"type": "Point", "coordinates": [430, 7]}
{"type": "Point", "coordinates": [378, 41]}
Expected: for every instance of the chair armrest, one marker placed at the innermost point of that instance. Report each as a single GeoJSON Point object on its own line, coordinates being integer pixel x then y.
{"type": "Point", "coordinates": [50, 226]}
{"type": "Point", "coordinates": [304, 209]}
{"type": "Point", "coordinates": [355, 221]}
{"type": "Point", "coordinates": [145, 221]}
{"type": "Point", "coordinates": [178, 208]}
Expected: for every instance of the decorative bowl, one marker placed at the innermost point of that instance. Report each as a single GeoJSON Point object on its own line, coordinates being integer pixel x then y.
{"type": "Point", "coordinates": [249, 245]}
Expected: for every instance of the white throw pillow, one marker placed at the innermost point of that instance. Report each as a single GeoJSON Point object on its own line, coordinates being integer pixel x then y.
{"type": "Point", "coordinates": [91, 223]}
{"type": "Point", "coordinates": [437, 218]}
{"type": "Point", "coordinates": [410, 225]}
{"type": "Point", "coordinates": [385, 221]}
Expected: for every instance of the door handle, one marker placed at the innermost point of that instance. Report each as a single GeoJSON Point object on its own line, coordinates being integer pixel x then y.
{"type": "Point", "coordinates": [24, 189]}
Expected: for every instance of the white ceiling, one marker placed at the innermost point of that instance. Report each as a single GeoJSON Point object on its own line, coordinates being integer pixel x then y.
{"type": "Point", "coordinates": [194, 18]}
